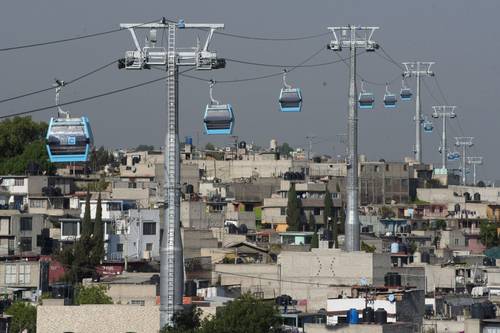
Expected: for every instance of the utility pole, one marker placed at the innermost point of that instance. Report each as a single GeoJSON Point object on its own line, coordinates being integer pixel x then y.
{"type": "Point", "coordinates": [474, 161]}
{"type": "Point", "coordinates": [464, 142]}
{"type": "Point", "coordinates": [352, 37]}
{"type": "Point", "coordinates": [309, 138]}
{"type": "Point", "coordinates": [199, 57]}
{"type": "Point", "coordinates": [417, 69]}
{"type": "Point", "coordinates": [444, 112]}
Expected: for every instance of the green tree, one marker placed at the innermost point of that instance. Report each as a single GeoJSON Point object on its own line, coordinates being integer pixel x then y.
{"type": "Point", "coordinates": [285, 149]}
{"type": "Point", "coordinates": [22, 143]}
{"type": "Point", "coordinates": [24, 317]}
{"type": "Point", "coordinates": [87, 227]}
{"type": "Point", "coordinates": [315, 240]}
{"type": "Point", "coordinates": [246, 314]}
{"type": "Point", "coordinates": [311, 222]}
{"type": "Point", "coordinates": [488, 234]}
{"type": "Point", "coordinates": [209, 146]}
{"type": "Point", "coordinates": [293, 209]}
{"type": "Point", "coordinates": [98, 235]}
{"type": "Point", "coordinates": [93, 295]}
{"type": "Point", "coordinates": [100, 158]}
{"type": "Point", "coordinates": [386, 212]}
{"type": "Point", "coordinates": [187, 321]}
{"type": "Point", "coordinates": [328, 211]}
{"type": "Point", "coordinates": [440, 225]}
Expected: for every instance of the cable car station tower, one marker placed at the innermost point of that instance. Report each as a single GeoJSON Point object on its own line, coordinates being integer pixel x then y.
{"type": "Point", "coordinates": [352, 37]}
{"type": "Point", "coordinates": [199, 57]}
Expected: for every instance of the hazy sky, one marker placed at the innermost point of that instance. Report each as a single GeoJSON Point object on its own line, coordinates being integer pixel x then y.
{"type": "Point", "coordinates": [458, 35]}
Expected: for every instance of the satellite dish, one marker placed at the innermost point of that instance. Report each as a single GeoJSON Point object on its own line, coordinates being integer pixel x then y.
{"type": "Point", "coordinates": [391, 298]}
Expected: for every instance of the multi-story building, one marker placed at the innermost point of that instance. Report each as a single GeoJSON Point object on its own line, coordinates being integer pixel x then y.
{"type": "Point", "coordinates": [20, 233]}
{"type": "Point", "coordinates": [312, 198]}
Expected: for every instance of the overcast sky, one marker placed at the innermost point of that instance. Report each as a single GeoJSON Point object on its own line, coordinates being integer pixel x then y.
{"type": "Point", "coordinates": [459, 35]}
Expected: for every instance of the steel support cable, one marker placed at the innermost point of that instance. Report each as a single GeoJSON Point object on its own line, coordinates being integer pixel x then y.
{"type": "Point", "coordinates": [66, 83]}
{"type": "Point", "coordinates": [84, 99]}
{"type": "Point", "coordinates": [69, 39]}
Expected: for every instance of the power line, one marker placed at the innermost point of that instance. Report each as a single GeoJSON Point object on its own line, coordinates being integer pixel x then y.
{"type": "Point", "coordinates": [90, 97]}
{"type": "Point", "coordinates": [66, 83]}
{"type": "Point", "coordinates": [69, 39]}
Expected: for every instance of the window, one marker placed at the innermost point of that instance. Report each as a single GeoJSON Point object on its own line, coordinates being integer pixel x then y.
{"type": "Point", "coordinates": [110, 228]}
{"type": "Point", "coordinates": [119, 247]}
{"type": "Point", "coordinates": [19, 182]}
{"type": "Point", "coordinates": [37, 203]}
{"type": "Point", "coordinates": [25, 244]}
{"type": "Point", "coordinates": [248, 208]}
{"type": "Point", "coordinates": [316, 211]}
{"type": "Point", "coordinates": [114, 206]}
{"type": "Point", "coordinates": [10, 274]}
{"type": "Point", "coordinates": [137, 302]}
{"type": "Point", "coordinates": [149, 246]}
{"type": "Point", "coordinates": [24, 274]}
{"type": "Point", "coordinates": [26, 223]}
{"type": "Point", "coordinates": [387, 167]}
{"type": "Point", "coordinates": [70, 228]}
{"type": "Point", "coordinates": [149, 228]}
{"type": "Point", "coordinates": [456, 241]}
{"type": "Point", "coordinates": [283, 211]}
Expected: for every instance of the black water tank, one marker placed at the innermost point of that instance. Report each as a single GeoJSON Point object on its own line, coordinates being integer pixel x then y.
{"type": "Point", "coordinates": [287, 176]}
{"type": "Point", "coordinates": [476, 311]}
{"type": "Point", "coordinates": [426, 257]}
{"type": "Point", "coordinates": [190, 288]}
{"type": "Point", "coordinates": [403, 248]}
{"type": "Point", "coordinates": [243, 229]}
{"type": "Point", "coordinates": [380, 316]}
{"type": "Point", "coordinates": [242, 144]}
{"type": "Point", "coordinates": [368, 315]}
{"type": "Point", "coordinates": [293, 176]}
{"type": "Point", "coordinates": [189, 188]}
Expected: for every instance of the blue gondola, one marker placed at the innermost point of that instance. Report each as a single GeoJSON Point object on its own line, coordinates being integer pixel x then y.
{"type": "Point", "coordinates": [405, 93]}
{"type": "Point", "coordinates": [68, 139]}
{"type": "Point", "coordinates": [218, 118]}
{"type": "Point", "coordinates": [453, 156]}
{"type": "Point", "coordinates": [365, 99]}
{"type": "Point", "coordinates": [290, 98]}
{"type": "Point", "coordinates": [389, 99]}
{"type": "Point", "coordinates": [428, 126]}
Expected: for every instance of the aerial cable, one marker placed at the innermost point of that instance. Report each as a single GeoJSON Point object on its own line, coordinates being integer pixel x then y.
{"type": "Point", "coordinates": [66, 83]}
{"type": "Point", "coordinates": [280, 73]}
{"type": "Point", "coordinates": [271, 39]}
{"type": "Point", "coordinates": [84, 99]}
{"type": "Point", "coordinates": [69, 39]}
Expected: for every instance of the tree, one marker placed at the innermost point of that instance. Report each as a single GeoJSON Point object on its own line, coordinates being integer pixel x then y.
{"type": "Point", "coordinates": [488, 234]}
{"type": "Point", "coordinates": [187, 321]}
{"type": "Point", "coordinates": [311, 222]}
{"type": "Point", "coordinates": [87, 227]}
{"type": "Point", "coordinates": [24, 317]}
{"type": "Point", "coordinates": [386, 212]}
{"type": "Point", "coordinates": [22, 147]}
{"type": "Point", "coordinates": [285, 149]}
{"type": "Point", "coordinates": [440, 225]}
{"type": "Point", "coordinates": [246, 314]}
{"type": "Point", "coordinates": [93, 295]}
{"type": "Point", "coordinates": [328, 211]}
{"type": "Point", "coordinates": [315, 240]}
{"type": "Point", "coordinates": [209, 146]}
{"type": "Point", "coordinates": [98, 235]}
{"type": "Point", "coordinates": [100, 158]}
{"type": "Point", "coordinates": [293, 209]}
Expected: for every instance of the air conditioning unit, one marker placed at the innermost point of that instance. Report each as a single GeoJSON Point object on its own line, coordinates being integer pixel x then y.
{"type": "Point", "coordinates": [146, 255]}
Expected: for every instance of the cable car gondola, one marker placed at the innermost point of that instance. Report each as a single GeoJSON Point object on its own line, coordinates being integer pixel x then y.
{"type": "Point", "coordinates": [405, 93]}
{"type": "Point", "coordinates": [365, 99]}
{"type": "Point", "coordinates": [389, 98]}
{"type": "Point", "coordinates": [219, 118]}
{"type": "Point", "coordinates": [453, 156]}
{"type": "Point", "coordinates": [428, 126]}
{"type": "Point", "coordinates": [68, 139]}
{"type": "Point", "coordinates": [290, 98]}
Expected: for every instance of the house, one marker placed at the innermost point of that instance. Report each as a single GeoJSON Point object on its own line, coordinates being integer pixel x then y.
{"type": "Point", "coordinates": [20, 233]}
{"type": "Point", "coordinates": [20, 278]}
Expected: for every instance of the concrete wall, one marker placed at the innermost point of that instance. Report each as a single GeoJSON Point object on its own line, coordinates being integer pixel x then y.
{"type": "Point", "coordinates": [125, 293]}
{"type": "Point", "coordinates": [30, 280]}
{"type": "Point", "coordinates": [98, 318]}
